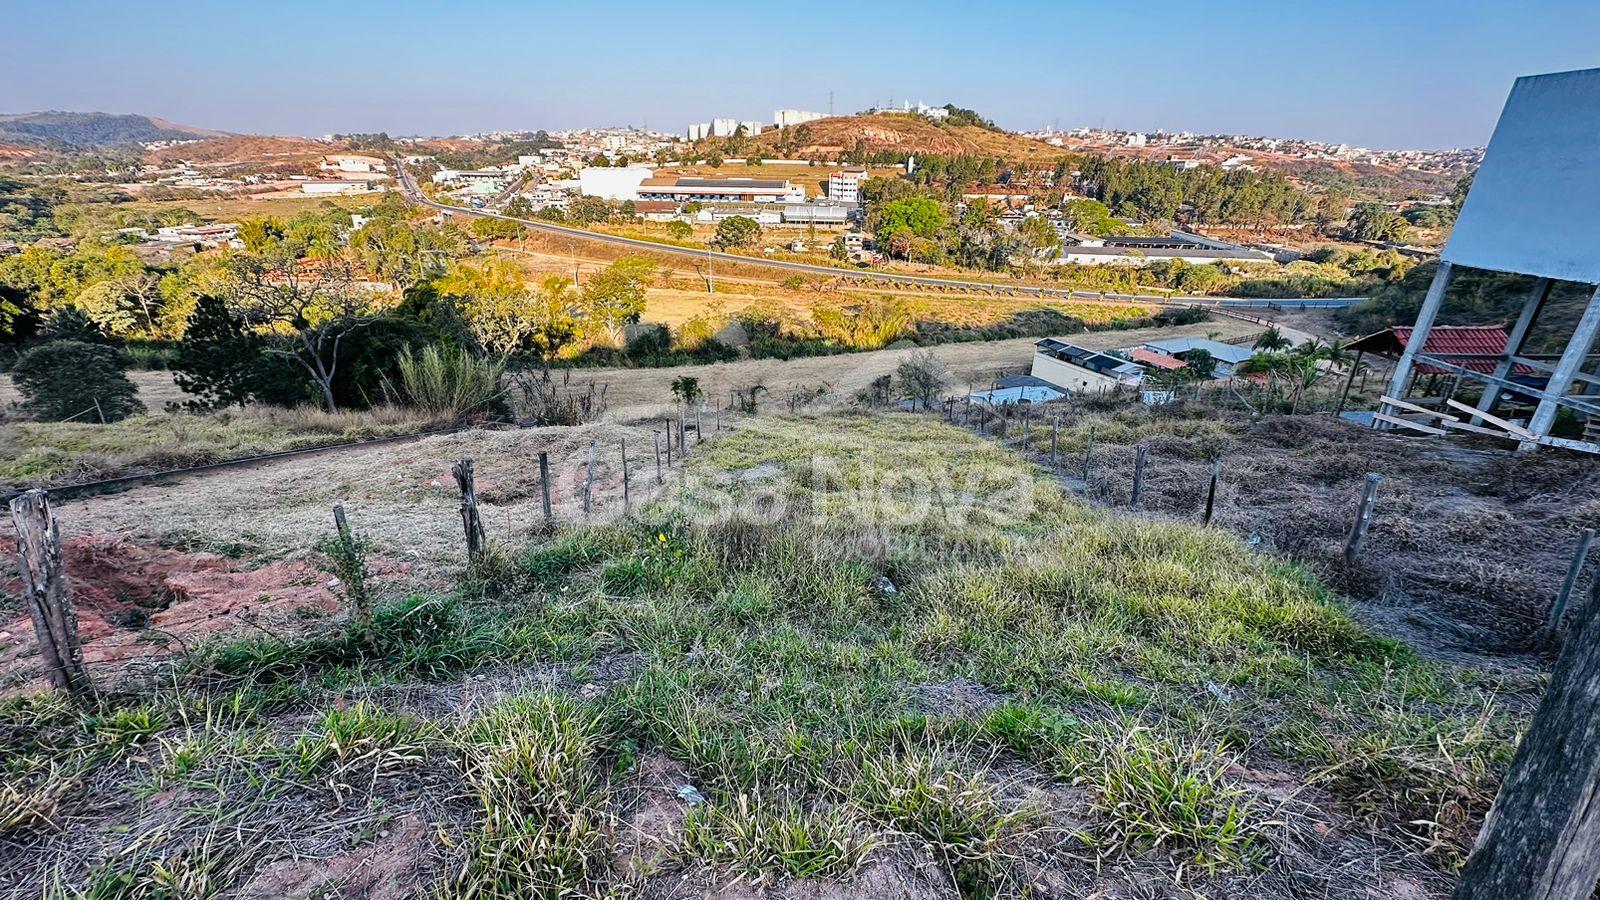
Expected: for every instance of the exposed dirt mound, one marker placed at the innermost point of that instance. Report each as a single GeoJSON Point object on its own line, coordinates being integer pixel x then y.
{"type": "Point", "coordinates": [140, 602]}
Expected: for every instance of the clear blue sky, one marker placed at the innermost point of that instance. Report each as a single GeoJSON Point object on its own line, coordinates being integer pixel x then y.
{"type": "Point", "coordinates": [1401, 73]}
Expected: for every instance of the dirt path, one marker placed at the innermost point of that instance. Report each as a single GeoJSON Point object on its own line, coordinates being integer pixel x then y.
{"type": "Point", "coordinates": [636, 394]}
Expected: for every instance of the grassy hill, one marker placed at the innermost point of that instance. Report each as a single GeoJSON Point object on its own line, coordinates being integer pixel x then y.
{"type": "Point", "coordinates": [912, 134]}
{"type": "Point", "coordinates": [849, 656]}
{"type": "Point", "coordinates": [93, 129]}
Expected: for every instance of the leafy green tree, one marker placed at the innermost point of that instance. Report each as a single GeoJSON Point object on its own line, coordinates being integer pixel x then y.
{"type": "Point", "coordinates": [736, 232]}
{"type": "Point", "coordinates": [1272, 340]}
{"type": "Point", "coordinates": [686, 389]}
{"type": "Point", "coordinates": [679, 230]}
{"type": "Point", "coordinates": [839, 250]}
{"type": "Point", "coordinates": [589, 210]}
{"type": "Point", "coordinates": [496, 229]}
{"type": "Point", "coordinates": [1200, 365]}
{"type": "Point", "coordinates": [917, 216]}
{"type": "Point", "coordinates": [403, 254]}
{"type": "Point", "coordinates": [1375, 222]}
{"type": "Point", "coordinates": [19, 320]}
{"type": "Point", "coordinates": [219, 360]}
{"type": "Point", "coordinates": [616, 296]}
{"type": "Point", "coordinates": [62, 380]}
{"type": "Point", "coordinates": [73, 324]}
{"type": "Point", "coordinates": [1037, 233]}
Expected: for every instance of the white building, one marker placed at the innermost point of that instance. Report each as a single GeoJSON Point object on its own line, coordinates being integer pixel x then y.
{"type": "Point", "coordinates": [351, 163]}
{"type": "Point", "coordinates": [751, 127]}
{"type": "Point", "coordinates": [787, 118]}
{"type": "Point", "coordinates": [724, 127]}
{"type": "Point", "coordinates": [611, 183]}
{"type": "Point", "coordinates": [844, 186]}
{"type": "Point", "coordinates": [698, 131]}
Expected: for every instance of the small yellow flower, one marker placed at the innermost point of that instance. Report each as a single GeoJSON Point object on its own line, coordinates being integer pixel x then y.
{"type": "Point", "coordinates": [661, 538]}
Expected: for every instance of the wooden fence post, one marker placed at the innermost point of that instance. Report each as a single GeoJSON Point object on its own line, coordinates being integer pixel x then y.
{"type": "Point", "coordinates": [544, 483]}
{"type": "Point", "coordinates": [683, 446]}
{"type": "Point", "coordinates": [471, 523]}
{"type": "Point", "coordinates": [588, 481]}
{"type": "Point", "coordinates": [1211, 492]}
{"type": "Point", "coordinates": [668, 424]}
{"type": "Point", "coordinates": [1088, 453]}
{"type": "Point", "coordinates": [627, 499]}
{"type": "Point", "coordinates": [1573, 571]}
{"type": "Point", "coordinates": [1358, 531]}
{"type": "Point", "coordinates": [656, 436]}
{"type": "Point", "coordinates": [1138, 474]}
{"type": "Point", "coordinates": [699, 433]}
{"type": "Point", "coordinates": [1539, 838]}
{"type": "Point", "coordinates": [1055, 432]}
{"type": "Point", "coordinates": [1026, 416]}
{"type": "Point", "coordinates": [44, 582]}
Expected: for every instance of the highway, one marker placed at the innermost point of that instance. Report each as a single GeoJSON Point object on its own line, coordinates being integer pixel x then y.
{"type": "Point", "coordinates": [415, 195]}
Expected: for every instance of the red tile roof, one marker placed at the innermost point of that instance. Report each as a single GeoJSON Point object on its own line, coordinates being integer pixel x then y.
{"type": "Point", "coordinates": [1474, 347]}
{"type": "Point", "coordinates": [1159, 360]}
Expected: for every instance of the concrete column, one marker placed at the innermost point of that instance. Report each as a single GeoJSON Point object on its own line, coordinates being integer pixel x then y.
{"type": "Point", "coordinates": [1572, 359]}
{"type": "Point", "coordinates": [1514, 341]}
{"type": "Point", "coordinates": [1419, 333]}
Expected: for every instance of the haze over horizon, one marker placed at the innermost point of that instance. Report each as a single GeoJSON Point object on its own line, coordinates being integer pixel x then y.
{"type": "Point", "coordinates": [1399, 75]}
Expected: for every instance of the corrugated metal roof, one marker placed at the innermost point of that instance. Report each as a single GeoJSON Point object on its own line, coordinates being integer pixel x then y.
{"type": "Point", "coordinates": [1228, 353]}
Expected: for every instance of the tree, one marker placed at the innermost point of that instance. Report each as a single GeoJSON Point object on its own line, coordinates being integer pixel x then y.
{"type": "Point", "coordinates": [616, 296]}
{"type": "Point", "coordinates": [589, 210]}
{"type": "Point", "coordinates": [917, 216]}
{"type": "Point", "coordinates": [19, 320]}
{"type": "Point", "coordinates": [679, 230]}
{"type": "Point", "coordinates": [62, 380]}
{"type": "Point", "coordinates": [1200, 365]}
{"type": "Point", "coordinates": [1037, 233]}
{"type": "Point", "coordinates": [1272, 340]}
{"type": "Point", "coordinates": [922, 376]}
{"type": "Point", "coordinates": [1375, 222]}
{"type": "Point", "coordinates": [496, 229]}
{"type": "Point", "coordinates": [219, 359]}
{"type": "Point", "coordinates": [687, 389]}
{"type": "Point", "coordinates": [405, 255]}
{"type": "Point", "coordinates": [736, 232]}
{"type": "Point", "coordinates": [313, 302]}
{"type": "Point", "coordinates": [73, 324]}
{"type": "Point", "coordinates": [839, 250]}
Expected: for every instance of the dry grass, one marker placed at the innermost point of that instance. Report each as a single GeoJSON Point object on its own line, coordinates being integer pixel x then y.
{"type": "Point", "coordinates": [37, 453]}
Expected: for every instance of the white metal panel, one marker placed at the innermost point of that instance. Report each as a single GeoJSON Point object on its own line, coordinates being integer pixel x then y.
{"type": "Point", "coordinates": [1534, 207]}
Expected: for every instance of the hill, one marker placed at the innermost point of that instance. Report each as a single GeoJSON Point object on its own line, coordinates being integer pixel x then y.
{"type": "Point", "coordinates": [909, 134]}
{"type": "Point", "coordinates": [243, 148]}
{"type": "Point", "coordinates": [93, 129]}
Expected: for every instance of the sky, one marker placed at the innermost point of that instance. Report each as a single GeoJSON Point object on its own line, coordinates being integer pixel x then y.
{"type": "Point", "coordinates": [1396, 74]}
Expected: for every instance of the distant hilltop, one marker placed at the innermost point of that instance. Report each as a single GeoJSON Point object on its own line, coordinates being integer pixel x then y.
{"type": "Point", "coordinates": [94, 129]}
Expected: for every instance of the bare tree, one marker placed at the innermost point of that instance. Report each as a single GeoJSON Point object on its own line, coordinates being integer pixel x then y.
{"type": "Point", "coordinates": [314, 302]}
{"type": "Point", "coordinates": [922, 376]}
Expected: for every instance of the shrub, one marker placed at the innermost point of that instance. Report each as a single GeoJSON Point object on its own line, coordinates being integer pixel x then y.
{"type": "Point", "coordinates": [219, 360]}
{"type": "Point", "coordinates": [447, 383]}
{"type": "Point", "coordinates": [735, 232]}
{"type": "Point", "coordinates": [63, 380]}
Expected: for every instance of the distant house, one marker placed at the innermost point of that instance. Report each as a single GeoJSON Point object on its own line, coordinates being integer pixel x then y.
{"type": "Point", "coordinates": [1073, 368]}
{"type": "Point", "coordinates": [844, 185]}
{"type": "Point", "coordinates": [337, 186]}
{"type": "Point", "coordinates": [351, 163]}
{"type": "Point", "coordinates": [1227, 356]}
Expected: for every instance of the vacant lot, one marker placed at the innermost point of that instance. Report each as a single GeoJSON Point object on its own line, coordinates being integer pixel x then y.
{"type": "Point", "coordinates": [856, 656]}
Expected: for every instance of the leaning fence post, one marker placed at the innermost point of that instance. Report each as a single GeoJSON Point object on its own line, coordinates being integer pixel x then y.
{"type": "Point", "coordinates": [1573, 571]}
{"type": "Point", "coordinates": [44, 582]}
{"type": "Point", "coordinates": [656, 435]}
{"type": "Point", "coordinates": [1539, 837]}
{"type": "Point", "coordinates": [627, 500]}
{"type": "Point", "coordinates": [668, 424]}
{"type": "Point", "coordinates": [1138, 474]}
{"type": "Point", "coordinates": [699, 435]}
{"type": "Point", "coordinates": [1088, 454]}
{"type": "Point", "coordinates": [1211, 492]}
{"type": "Point", "coordinates": [471, 523]}
{"type": "Point", "coordinates": [544, 483]}
{"type": "Point", "coordinates": [588, 480]}
{"type": "Point", "coordinates": [1358, 531]}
